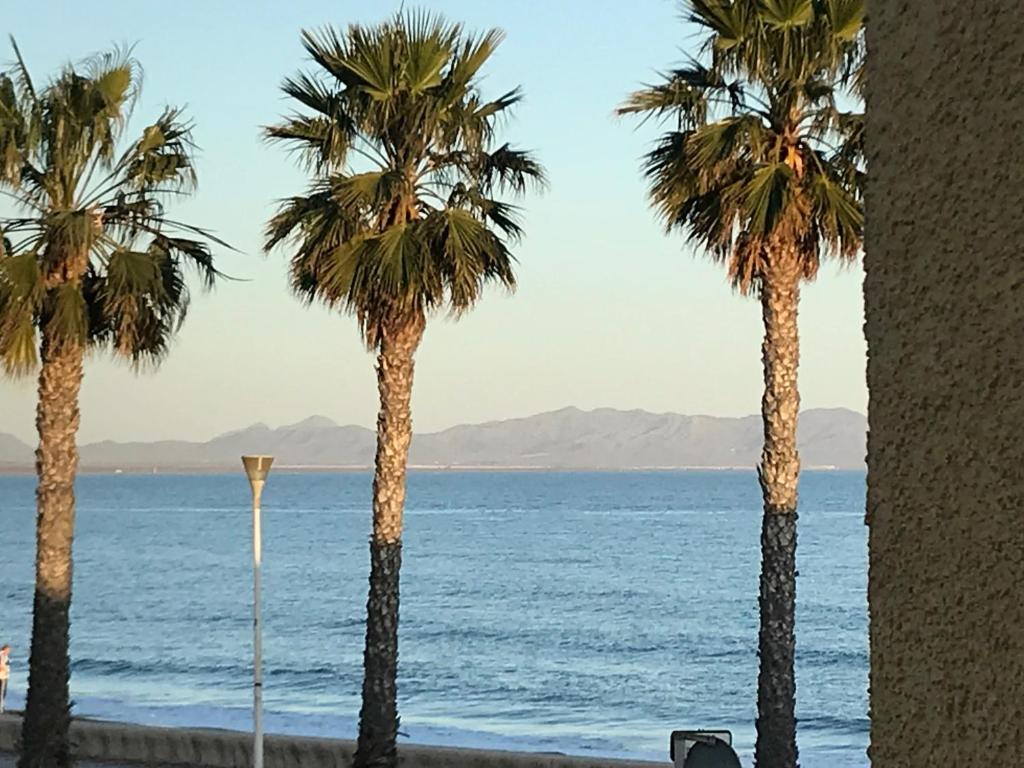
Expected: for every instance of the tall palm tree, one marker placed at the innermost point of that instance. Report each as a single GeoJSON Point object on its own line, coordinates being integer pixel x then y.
{"type": "Point", "coordinates": [90, 263]}
{"type": "Point", "coordinates": [401, 219]}
{"type": "Point", "coordinates": [763, 170]}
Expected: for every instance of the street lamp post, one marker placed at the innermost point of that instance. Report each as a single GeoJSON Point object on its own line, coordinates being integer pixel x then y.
{"type": "Point", "coordinates": [257, 468]}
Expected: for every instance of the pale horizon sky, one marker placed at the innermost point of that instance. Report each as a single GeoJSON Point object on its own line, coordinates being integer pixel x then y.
{"type": "Point", "coordinates": [610, 312]}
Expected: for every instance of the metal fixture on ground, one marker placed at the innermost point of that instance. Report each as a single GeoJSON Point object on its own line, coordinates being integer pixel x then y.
{"type": "Point", "coordinates": [702, 749]}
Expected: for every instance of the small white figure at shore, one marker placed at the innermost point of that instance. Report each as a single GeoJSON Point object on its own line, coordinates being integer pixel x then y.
{"type": "Point", "coordinates": [5, 672]}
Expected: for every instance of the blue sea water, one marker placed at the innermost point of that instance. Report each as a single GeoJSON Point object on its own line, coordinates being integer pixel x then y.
{"type": "Point", "coordinates": [587, 613]}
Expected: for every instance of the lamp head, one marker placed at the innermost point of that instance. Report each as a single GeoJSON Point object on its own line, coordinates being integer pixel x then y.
{"type": "Point", "coordinates": [257, 467]}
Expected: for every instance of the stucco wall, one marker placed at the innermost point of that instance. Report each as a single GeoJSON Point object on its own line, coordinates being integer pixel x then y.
{"type": "Point", "coordinates": [944, 301]}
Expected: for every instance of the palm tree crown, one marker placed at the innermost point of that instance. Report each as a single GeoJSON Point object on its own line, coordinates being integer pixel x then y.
{"type": "Point", "coordinates": [403, 217]}
{"type": "Point", "coordinates": [762, 157]}
{"type": "Point", "coordinates": [92, 259]}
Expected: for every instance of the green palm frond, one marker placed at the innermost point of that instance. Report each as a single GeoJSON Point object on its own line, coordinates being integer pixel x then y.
{"type": "Point", "coordinates": [784, 41]}
{"type": "Point", "coordinates": [469, 56]}
{"type": "Point", "coordinates": [845, 18]}
{"type": "Point", "coordinates": [400, 269]}
{"type": "Point", "coordinates": [23, 78]}
{"type": "Point", "coordinates": [729, 139]}
{"type": "Point", "coordinates": [837, 207]}
{"type": "Point", "coordinates": [323, 139]}
{"type": "Point", "coordinates": [503, 216]}
{"type": "Point", "coordinates": [326, 238]}
{"type": "Point", "coordinates": [507, 170]}
{"type": "Point", "coordinates": [94, 259]}
{"type": "Point", "coordinates": [403, 215]}
{"type": "Point", "coordinates": [784, 15]}
{"type": "Point", "coordinates": [471, 255]}
{"type": "Point", "coordinates": [65, 314]}
{"type": "Point", "coordinates": [726, 23]}
{"type": "Point", "coordinates": [371, 62]}
{"type": "Point", "coordinates": [313, 93]}
{"type": "Point", "coordinates": [182, 253]}
{"type": "Point", "coordinates": [761, 154]}
{"type": "Point", "coordinates": [21, 297]}
{"type": "Point", "coordinates": [850, 126]}
{"type": "Point", "coordinates": [143, 300]}
{"type": "Point", "coordinates": [367, 192]}
{"type": "Point", "coordinates": [18, 345]}
{"type": "Point", "coordinates": [426, 51]}
{"type": "Point", "coordinates": [767, 196]}
{"type": "Point", "coordinates": [162, 158]}
{"type": "Point", "coordinates": [20, 277]}
{"type": "Point", "coordinates": [690, 94]}
{"type": "Point", "coordinates": [13, 131]}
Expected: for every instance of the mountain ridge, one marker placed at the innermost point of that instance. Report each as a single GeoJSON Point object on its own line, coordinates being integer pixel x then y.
{"type": "Point", "coordinates": [567, 438]}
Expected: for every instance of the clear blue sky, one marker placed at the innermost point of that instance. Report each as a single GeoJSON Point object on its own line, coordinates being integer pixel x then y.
{"type": "Point", "coordinates": [610, 311]}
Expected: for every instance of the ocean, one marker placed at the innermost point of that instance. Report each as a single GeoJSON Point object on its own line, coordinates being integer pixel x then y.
{"type": "Point", "coordinates": [584, 613]}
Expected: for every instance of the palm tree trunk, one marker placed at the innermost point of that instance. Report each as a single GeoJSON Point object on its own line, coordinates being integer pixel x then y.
{"type": "Point", "coordinates": [378, 718]}
{"type": "Point", "coordinates": [44, 737]}
{"type": "Point", "coordinates": [778, 474]}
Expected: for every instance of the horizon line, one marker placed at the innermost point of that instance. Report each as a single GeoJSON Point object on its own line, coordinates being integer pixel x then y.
{"type": "Point", "coordinates": [331, 424]}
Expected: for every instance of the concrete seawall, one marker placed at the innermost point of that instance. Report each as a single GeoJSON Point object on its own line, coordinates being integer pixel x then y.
{"type": "Point", "coordinates": [123, 743]}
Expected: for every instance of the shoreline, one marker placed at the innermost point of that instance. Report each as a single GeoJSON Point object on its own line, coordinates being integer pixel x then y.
{"type": "Point", "coordinates": [127, 743]}
{"type": "Point", "coordinates": [223, 469]}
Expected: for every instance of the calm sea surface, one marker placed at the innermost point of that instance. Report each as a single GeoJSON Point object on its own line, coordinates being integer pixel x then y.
{"type": "Point", "coordinates": [582, 613]}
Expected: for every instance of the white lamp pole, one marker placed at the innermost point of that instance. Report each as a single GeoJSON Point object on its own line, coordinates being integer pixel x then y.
{"type": "Point", "coordinates": [257, 468]}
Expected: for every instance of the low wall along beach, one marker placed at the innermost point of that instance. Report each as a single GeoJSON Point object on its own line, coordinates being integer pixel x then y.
{"type": "Point", "coordinates": [123, 743]}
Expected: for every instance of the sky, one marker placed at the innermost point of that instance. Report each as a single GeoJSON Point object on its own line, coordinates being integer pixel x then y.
{"type": "Point", "coordinates": [610, 311]}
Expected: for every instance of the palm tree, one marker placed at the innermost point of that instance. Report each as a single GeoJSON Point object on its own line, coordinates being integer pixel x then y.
{"type": "Point", "coordinates": [402, 219]}
{"type": "Point", "coordinates": [762, 169]}
{"type": "Point", "coordinates": [91, 263]}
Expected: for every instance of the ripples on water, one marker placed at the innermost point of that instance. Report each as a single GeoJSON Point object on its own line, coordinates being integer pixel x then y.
{"type": "Point", "coordinates": [584, 613]}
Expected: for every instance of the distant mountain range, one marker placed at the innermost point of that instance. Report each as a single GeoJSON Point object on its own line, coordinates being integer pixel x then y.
{"type": "Point", "coordinates": [565, 439]}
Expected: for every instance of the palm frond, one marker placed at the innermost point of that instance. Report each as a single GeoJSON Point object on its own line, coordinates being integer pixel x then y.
{"type": "Point", "coordinates": [770, 161]}
{"type": "Point", "coordinates": [785, 15]}
{"type": "Point", "coordinates": [323, 139]}
{"type": "Point", "coordinates": [728, 140]}
{"type": "Point", "coordinates": [426, 42]}
{"type": "Point", "coordinates": [424, 226]}
{"type": "Point", "coordinates": [503, 216]}
{"type": "Point", "coordinates": [845, 19]}
{"type": "Point", "coordinates": [691, 94]}
{"type": "Point", "coordinates": [508, 170]}
{"type": "Point", "coordinates": [366, 192]}
{"type": "Point", "coordinates": [65, 314]}
{"type": "Point", "coordinates": [837, 210]}
{"type": "Point", "coordinates": [94, 260]}
{"type": "Point", "coordinates": [22, 76]}
{"type": "Point", "coordinates": [142, 300]}
{"type": "Point", "coordinates": [18, 343]}
{"type": "Point", "coordinates": [162, 157]}
{"type": "Point", "coordinates": [469, 58]}
{"type": "Point", "coordinates": [767, 195]}
{"type": "Point", "coordinates": [471, 256]}
{"type": "Point", "coordinates": [12, 132]}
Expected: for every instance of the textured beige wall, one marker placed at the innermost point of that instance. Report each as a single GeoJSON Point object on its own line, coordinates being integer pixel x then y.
{"type": "Point", "coordinates": [944, 300]}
